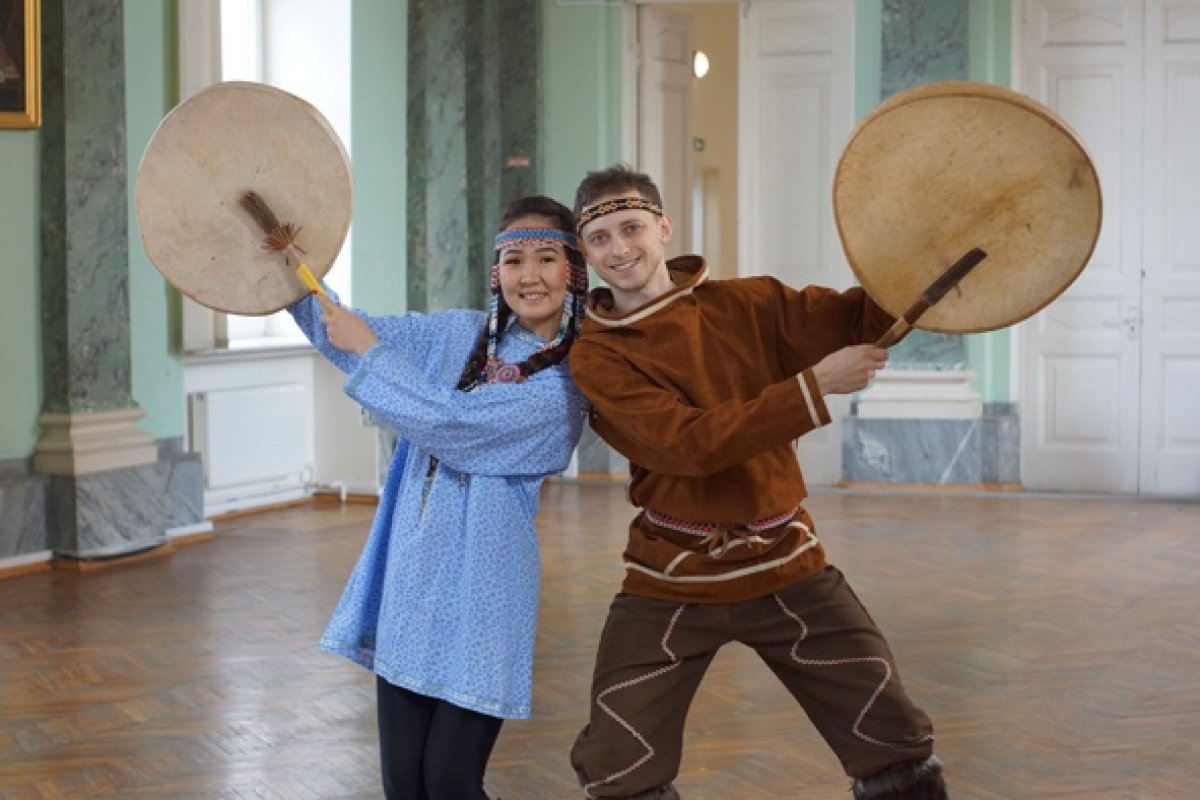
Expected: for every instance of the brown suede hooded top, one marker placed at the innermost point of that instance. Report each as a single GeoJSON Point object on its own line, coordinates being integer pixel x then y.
{"type": "Point", "coordinates": [704, 390]}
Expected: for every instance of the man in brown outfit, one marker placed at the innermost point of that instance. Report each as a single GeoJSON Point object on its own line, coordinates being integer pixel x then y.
{"type": "Point", "coordinates": [704, 386]}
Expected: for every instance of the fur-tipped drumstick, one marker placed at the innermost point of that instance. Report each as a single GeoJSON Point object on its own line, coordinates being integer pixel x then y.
{"type": "Point", "coordinates": [281, 236]}
{"type": "Point", "coordinates": [936, 291]}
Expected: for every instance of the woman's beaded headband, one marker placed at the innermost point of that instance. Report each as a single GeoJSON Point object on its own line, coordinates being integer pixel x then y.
{"type": "Point", "coordinates": [620, 204]}
{"type": "Point", "coordinates": [535, 236]}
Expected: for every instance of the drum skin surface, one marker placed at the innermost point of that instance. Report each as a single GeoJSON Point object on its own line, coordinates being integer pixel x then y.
{"type": "Point", "coordinates": [224, 141]}
{"type": "Point", "coordinates": [939, 169]}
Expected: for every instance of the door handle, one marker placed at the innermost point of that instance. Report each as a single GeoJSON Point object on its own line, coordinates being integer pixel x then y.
{"type": "Point", "coordinates": [1130, 322]}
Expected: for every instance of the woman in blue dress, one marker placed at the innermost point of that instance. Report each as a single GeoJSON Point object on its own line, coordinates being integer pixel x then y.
{"type": "Point", "coordinates": [442, 604]}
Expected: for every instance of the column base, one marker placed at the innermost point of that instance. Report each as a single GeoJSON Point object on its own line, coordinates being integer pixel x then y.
{"type": "Point", "coordinates": [119, 512]}
{"type": "Point", "coordinates": [94, 441]}
{"type": "Point", "coordinates": [920, 394]}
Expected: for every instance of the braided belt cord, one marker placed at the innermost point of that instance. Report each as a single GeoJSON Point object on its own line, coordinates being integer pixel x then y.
{"type": "Point", "coordinates": [707, 529]}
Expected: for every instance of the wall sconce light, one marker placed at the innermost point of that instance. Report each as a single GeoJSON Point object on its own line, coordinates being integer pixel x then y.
{"type": "Point", "coordinates": [699, 64]}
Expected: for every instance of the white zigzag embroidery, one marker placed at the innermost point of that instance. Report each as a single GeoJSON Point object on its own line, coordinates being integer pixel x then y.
{"type": "Point", "coordinates": [624, 723]}
{"type": "Point", "coordinates": [836, 662]}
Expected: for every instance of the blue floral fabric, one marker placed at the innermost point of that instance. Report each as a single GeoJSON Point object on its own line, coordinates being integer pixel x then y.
{"type": "Point", "coordinates": [444, 598]}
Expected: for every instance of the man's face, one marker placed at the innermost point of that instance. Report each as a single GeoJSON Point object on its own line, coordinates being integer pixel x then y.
{"type": "Point", "coordinates": [626, 248]}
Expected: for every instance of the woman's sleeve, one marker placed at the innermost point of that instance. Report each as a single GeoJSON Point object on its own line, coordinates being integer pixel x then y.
{"type": "Point", "coordinates": [530, 428]}
{"type": "Point", "coordinates": [403, 332]}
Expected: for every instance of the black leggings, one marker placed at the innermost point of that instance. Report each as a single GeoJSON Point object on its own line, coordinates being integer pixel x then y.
{"type": "Point", "coordinates": [430, 749]}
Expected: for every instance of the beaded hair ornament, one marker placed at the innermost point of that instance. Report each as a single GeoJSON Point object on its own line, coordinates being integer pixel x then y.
{"type": "Point", "coordinates": [495, 370]}
{"type": "Point", "coordinates": [620, 204]}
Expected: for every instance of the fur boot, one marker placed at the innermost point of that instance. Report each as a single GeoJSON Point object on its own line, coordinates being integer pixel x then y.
{"type": "Point", "coordinates": [913, 780]}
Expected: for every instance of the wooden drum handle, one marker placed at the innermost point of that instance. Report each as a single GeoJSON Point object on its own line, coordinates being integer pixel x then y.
{"type": "Point", "coordinates": [935, 292]}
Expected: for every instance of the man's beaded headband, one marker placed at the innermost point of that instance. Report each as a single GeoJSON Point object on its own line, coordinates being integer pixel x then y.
{"type": "Point", "coordinates": [535, 236]}
{"type": "Point", "coordinates": [620, 204]}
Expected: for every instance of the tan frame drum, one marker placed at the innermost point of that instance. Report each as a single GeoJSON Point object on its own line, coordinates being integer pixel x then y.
{"type": "Point", "coordinates": [226, 140]}
{"type": "Point", "coordinates": [937, 171]}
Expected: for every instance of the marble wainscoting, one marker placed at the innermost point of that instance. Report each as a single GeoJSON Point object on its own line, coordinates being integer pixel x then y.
{"type": "Point", "coordinates": [119, 511]}
{"type": "Point", "coordinates": [101, 514]}
{"type": "Point", "coordinates": [23, 508]}
{"type": "Point", "coordinates": [984, 451]}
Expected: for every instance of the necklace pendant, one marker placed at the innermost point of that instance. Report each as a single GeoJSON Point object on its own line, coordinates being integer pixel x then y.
{"type": "Point", "coordinates": [497, 371]}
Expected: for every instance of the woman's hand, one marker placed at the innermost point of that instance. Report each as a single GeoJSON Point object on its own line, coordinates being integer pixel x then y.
{"type": "Point", "coordinates": [345, 329]}
{"type": "Point", "coordinates": [849, 369]}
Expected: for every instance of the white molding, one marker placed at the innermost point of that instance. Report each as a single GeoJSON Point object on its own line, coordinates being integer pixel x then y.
{"type": "Point", "coordinates": [921, 394]}
{"type": "Point", "coordinates": [199, 45]}
{"type": "Point", "coordinates": [215, 504]}
{"type": "Point", "coordinates": [11, 562]}
{"type": "Point", "coordinates": [630, 65]}
{"type": "Point", "coordinates": [199, 67]}
{"type": "Point", "coordinates": [190, 530]}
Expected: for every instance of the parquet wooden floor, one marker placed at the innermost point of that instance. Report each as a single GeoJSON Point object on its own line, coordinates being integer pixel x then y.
{"type": "Point", "coordinates": [1055, 643]}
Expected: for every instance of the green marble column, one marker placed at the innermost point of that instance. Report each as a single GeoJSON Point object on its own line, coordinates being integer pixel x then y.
{"type": "Point", "coordinates": [922, 43]}
{"type": "Point", "coordinates": [472, 136]}
{"type": "Point", "coordinates": [110, 492]}
{"type": "Point", "coordinates": [85, 241]}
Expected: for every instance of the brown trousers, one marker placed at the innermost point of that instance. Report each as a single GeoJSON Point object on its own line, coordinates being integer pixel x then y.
{"type": "Point", "coordinates": [814, 635]}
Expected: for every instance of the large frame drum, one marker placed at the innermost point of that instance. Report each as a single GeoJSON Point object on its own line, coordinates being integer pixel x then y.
{"type": "Point", "coordinates": [226, 140]}
{"type": "Point", "coordinates": [941, 169]}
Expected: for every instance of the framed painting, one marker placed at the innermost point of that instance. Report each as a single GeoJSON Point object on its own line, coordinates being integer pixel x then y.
{"type": "Point", "coordinates": [20, 64]}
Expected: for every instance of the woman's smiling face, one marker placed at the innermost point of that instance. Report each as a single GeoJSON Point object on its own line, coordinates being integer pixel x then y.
{"type": "Point", "coordinates": [534, 277]}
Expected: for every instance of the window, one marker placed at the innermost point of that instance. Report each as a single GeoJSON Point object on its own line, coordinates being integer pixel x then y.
{"type": "Point", "coordinates": [300, 46]}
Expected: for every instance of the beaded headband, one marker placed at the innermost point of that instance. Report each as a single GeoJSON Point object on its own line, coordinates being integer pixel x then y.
{"type": "Point", "coordinates": [620, 204]}
{"type": "Point", "coordinates": [536, 236]}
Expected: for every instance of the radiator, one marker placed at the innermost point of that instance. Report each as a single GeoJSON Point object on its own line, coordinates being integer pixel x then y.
{"type": "Point", "coordinates": [252, 439]}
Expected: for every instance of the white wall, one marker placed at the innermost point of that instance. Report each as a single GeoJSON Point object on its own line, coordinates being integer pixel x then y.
{"type": "Point", "coordinates": [344, 448]}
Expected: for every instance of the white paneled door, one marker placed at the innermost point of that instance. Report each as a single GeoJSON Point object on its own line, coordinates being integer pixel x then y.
{"type": "Point", "coordinates": [796, 111]}
{"type": "Point", "coordinates": [1170, 453]}
{"type": "Point", "coordinates": [1110, 372]}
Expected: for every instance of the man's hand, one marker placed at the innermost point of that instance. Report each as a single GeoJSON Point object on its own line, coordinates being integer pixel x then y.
{"type": "Point", "coordinates": [849, 369]}
{"type": "Point", "coordinates": [345, 329]}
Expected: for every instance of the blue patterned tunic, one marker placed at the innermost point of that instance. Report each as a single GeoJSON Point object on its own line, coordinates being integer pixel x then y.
{"type": "Point", "coordinates": [444, 598]}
